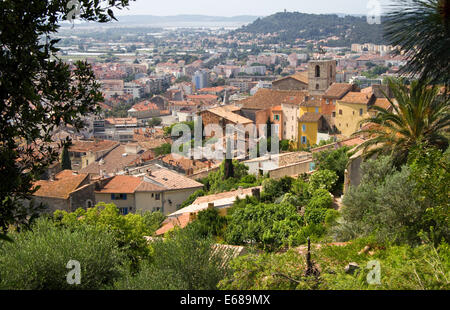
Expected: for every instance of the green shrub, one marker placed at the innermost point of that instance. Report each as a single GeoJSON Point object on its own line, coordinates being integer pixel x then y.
{"type": "Point", "coordinates": [315, 215]}
{"type": "Point", "coordinates": [265, 225]}
{"type": "Point", "coordinates": [192, 198]}
{"type": "Point", "coordinates": [314, 231]}
{"type": "Point", "coordinates": [128, 231]}
{"type": "Point", "coordinates": [321, 199]}
{"type": "Point", "coordinates": [183, 261]}
{"type": "Point", "coordinates": [209, 223]}
{"type": "Point", "coordinates": [322, 179]}
{"type": "Point", "coordinates": [37, 259]}
{"type": "Point", "coordinates": [383, 204]}
{"type": "Point", "coordinates": [264, 272]}
{"type": "Point", "coordinates": [402, 268]}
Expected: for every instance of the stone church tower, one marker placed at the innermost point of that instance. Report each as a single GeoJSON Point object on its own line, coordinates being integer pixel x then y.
{"type": "Point", "coordinates": [321, 74]}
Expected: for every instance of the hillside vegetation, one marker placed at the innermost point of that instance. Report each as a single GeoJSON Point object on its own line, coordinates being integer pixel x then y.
{"type": "Point", "coordinates": [292, 26]}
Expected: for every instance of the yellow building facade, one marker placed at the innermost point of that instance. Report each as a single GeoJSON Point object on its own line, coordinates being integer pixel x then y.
{"type": "Point", "coordinates": [308, 127]}
{"type": "Point", "coordinates": [350, 111]}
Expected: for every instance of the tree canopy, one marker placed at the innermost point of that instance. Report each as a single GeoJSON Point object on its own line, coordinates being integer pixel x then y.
{"type": "Point", "coordinates": [39, 92]}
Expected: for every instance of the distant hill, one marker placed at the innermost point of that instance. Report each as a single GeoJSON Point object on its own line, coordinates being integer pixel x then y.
{"type": "Point", "coordinates": [196, 21]}
{"type": "Point", "coordinates": [295, 25]}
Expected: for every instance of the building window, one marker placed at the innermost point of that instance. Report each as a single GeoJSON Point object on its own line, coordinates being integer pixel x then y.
{"type": "Point", "coordinates": [317, 86]}
{"type": "Point", "coordinates": [88, 204]}
{"type": "Point", "coordinates": [312, 166]}
{"type": "Point", "coordinates": [317, 73]}
{"type": "Point", "coordinates": [327, 102]}
{"type": "Point", "coordinates": [123, 211]}
{"type": "Point", "coordinates": [360, 112]}
{"type": "Point", "coordinates": [303, 140]}
{"type": "Point", "coordinates": [118, 196]}
{"type": "Point", "coordinates": [340, 112]}
{"type": "Point", "coordinates": [333, 114]}
{"type": "Point", "coordinates": [157, 196]}
{"type": "Point", "coordinates": [304, 128]}
{"type": "Point", "coordinates": [353, 112]}
{"type": "Point", "coordinates": [276, 117]}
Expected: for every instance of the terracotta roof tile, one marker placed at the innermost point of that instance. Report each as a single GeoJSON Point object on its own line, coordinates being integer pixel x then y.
{"type": "Point", "coordinates": [267, 98]}
{"type": "Point", "coordinates": [310, 117]}
{"type": "Point", "coordinates": [172, 180]}
{"type": "Point", "coordinates": [382, 103]}
{"type": "Point", "coordinates": [300, 76]}
{"type": "Point", "coordinates": [121, 184]}
{"type": "Point", "coordinates": [357, 98]}
{"type": "Point", "coordinates": [227, 112]}
{"type": "Point", "coordinates": [338, 90]}
{"type": "Point", "coordinates": [113, 162]}
{"type": "Point", "coordinates": [65, 182]}
{"type": "Point", "coordinates": [92, 146]}
{"type": "Point", "coordinates": [181, 221]}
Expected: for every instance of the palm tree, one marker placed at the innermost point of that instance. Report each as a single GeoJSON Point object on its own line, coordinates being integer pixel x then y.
{"type": "Point", "coordinates": [421, 30]}
{"type": "Point", "coordinates": [419, 115]}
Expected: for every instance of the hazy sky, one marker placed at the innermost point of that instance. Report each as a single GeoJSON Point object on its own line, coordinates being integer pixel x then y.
{"type": "Point", "coordinates": [245, 7]}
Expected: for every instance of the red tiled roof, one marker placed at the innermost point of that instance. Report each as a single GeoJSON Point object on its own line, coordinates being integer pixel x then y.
{"type": "Point", "coordinates": [92, 146]}
{"type": "Point", "coordinates": [181, 221]}
{"type": "Point", "coordinates": [65, 182]}
{"type": "Point", "coordinates": [357, 98]}
{"type": "Point", "coordinates": [338, 90]}
{"type": "Point", "coordinates": [267, 98]}
{"type": "Point", "coordinates": [145, 106]}
{"type": "Point", "coordinates": [172, 180]}
{"type": "Point", "coordinates": [310, 117]}
{"type": "Point", "coordinates": [123, 184]}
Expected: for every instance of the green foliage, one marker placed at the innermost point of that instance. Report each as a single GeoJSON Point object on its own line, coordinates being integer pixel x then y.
{"type": "Point", "coordinates": [210, 223]}
{"type": "Point", "coordinates": [333, 160]}
{"type": "Point", "coordinates": [273, 189]}
{"type": "Point", "coordinates": [300, 188]}
{"type": "Point", "coordinates": [313, 231]}
{"type": "Point", "coordinates": [322, 179]}
{"type": "Point", "coordinates": [264, 272]}
{"type": "Point", "coordinates": [37, 259]}
{"type": "Point", "coordinates": [266, 225]}
{"type": "Point", "coordinates": [321, 199]}
{"type": "Point", "coordinates": [152, 221]}
{"type": "Point", "coordinates": [192, 198]}
{"type": "Point", "coordinates": [317, 208]}
{"type": "Point", "coordinates": [217, 183]}
{"type": "Point", "coordinates": [44, 91]}
{"type": "Point", "coordinates": [284, 145]}
{"type": "Point", "coordinates": [164, 149]}
{"type": "Point", "coordinates": [128, 231]}
{"type": "Point", "coordinates": [421, 29]}
{"type": "Point", "coordinates": [155, 121]}
{"type": "Point", "coordinates": [168, 130]}
{"type": "Point", "coordinates": [419, 115]}
{"type": "Point", "coordinates": [182, 261]}
{"type": "Point", "coordinates": [385, 204]}
{"type": "Point", "coordinates": [429, 171]}
{"type": "Point", "coordinates": [315, 215]}
{"type": "Point", "coordinates": [291, 26]}
{"type": "Point", "coordinates": [66, 164]}
{"type": "Point", "coordinates": [402, 267]}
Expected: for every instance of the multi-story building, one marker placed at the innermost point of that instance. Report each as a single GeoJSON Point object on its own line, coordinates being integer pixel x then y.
{"type": "Point", "coordinates": [321, 74]}
{"type": "Point", "coordinates": [200, 79]}
{"type": "Point", "coordinates": [352, 109]}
